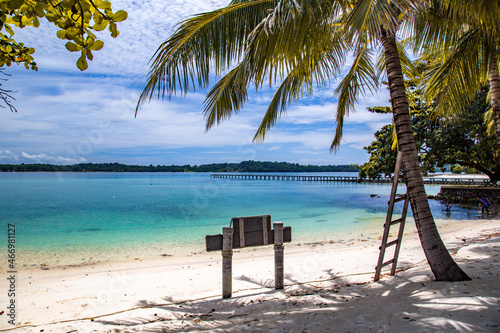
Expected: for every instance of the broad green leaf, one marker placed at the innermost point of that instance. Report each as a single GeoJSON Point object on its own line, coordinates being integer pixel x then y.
{"type": "Point", "coordinates": [120, 16]}
{"type": "Point", "coordinates": [98, 18]}
{"type": "Point", "coordinates": [113, 30]}
{"type": "Point", "coordinates": [51, 17]}
{"type": "Point", "coordinates": [12, 20]}
{"type": "Point", "coordinates": [39, 9]}
{"type": "Point", "coordinates": [82, 62]}
{"type": "Point", "coordinates": [16, 4]}
{"type": "Point", "coordinates": [61, 34]}
{"type": "Point", "coordinates": [36, 22]}
{"type": "Point", "coordinates": [26, 21]}
{"type": "Point", "coordinates": [100, 26]}
{"type": "Point", "coordinates": [104, 5]}
{"type": "Point", "coordinates": [98, 44]}
{"type": "Point", "coordinates": [72, 32]}
{"type": "Point", "coordinates": [67, 3]}
{"type": "Point", "coordinates": [72, 47]}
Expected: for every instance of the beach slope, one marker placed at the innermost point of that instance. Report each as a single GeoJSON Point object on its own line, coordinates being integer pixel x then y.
{"type": "Point", "coordinates": [328, 288]}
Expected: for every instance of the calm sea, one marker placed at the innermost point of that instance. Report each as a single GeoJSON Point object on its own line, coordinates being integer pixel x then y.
{"type": "Point", "coordinates": [67, 218]}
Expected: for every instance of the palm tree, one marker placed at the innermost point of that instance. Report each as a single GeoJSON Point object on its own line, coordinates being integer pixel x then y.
{"type": "Point", "coordinates": [301, 44]}
{"type": "Point", "coordinates": [465, 38]}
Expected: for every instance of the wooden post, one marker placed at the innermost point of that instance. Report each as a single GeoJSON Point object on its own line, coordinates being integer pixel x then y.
{"type": "Point", "coordinates": [227, 262]}
{"type": "Point", "coordinates": [278, 255]}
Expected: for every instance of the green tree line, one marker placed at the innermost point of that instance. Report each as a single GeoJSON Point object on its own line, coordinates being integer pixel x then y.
{"type": "Point", "coordinates": [245, 166]}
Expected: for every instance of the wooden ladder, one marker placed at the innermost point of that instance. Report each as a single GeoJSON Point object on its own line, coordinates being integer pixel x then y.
{"type": "Point", "coordinates": [389, 222]}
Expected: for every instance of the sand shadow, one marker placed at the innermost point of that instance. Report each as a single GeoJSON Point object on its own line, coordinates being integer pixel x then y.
{"type": "Point", "coordinates": [411, 300]}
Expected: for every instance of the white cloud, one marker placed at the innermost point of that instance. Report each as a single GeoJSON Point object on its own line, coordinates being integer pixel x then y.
{"type": "Point", "coordinates": [7, 156]}
{"type": "Point", "coordinates": [44, 158]}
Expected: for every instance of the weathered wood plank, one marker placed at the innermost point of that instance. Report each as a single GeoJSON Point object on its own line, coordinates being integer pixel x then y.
{"type": "Point", "coordinates": [251, 223]}
{"type": "Point", "coordinates": [214, 242]}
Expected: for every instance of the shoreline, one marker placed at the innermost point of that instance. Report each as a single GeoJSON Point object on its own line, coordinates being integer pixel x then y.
{"type": "Point", "coordinates": [143, 288]}
{"type": "Point", "coordinates": [50, 260]}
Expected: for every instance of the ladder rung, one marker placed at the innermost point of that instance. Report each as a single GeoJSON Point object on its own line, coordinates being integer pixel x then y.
{"type": "Point", "coordinates": [396, 221]}
{"type": "Point", "coordinates": [394, 242]}
{"type": "Point", "coordinates": [401, 198]}
{"type": "Point", "coordinates": [387, 263]}
{"type": "Point", "coordinates": [389, 244]}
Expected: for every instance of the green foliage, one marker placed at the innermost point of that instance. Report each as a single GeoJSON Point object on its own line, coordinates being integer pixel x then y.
{"type": "Point", "coordinates": [464, 140]}
{"type": "Point", "coordinates": [382, 157]}
{"type": "Point", "coordinates": [461, 141]}
{"type": "Point", "coordinates": [458, 169]}
{"type": "Point", "coordinates": [245, 166]}
{"type": "Point", "coordinates": [77, 20]}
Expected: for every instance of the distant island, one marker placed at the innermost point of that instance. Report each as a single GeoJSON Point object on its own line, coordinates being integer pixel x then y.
{"type": "Point", "coordinates": [245, 166]}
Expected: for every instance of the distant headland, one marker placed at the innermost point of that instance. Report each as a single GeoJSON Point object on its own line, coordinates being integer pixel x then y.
{"type": "Point", "coordinates": [245, 166]}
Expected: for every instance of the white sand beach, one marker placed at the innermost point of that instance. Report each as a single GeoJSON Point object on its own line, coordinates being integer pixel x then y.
{"type": "Point", "coordinates": [328, 288]}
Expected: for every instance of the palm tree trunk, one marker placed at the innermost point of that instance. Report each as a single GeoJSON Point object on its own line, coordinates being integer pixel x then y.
{"type": "Point", "coordinates": [440, 261]}
{"type": "Point", "coordinates": [494, 79]}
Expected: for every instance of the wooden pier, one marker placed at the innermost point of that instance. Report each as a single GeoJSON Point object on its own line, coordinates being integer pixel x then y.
{"type": "Point", "coordinates": [348, 179]}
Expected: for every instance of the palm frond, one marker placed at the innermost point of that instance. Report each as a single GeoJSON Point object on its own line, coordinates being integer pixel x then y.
{"type": "Point", "coordinates": [461, 75]}
{"type": "Point", "coordinates": [226, 97]}
{"type": "Point", "coordinates": [210, 39]}
{"type": "Point", "coordinates": [278, 49]}
{"type": "Point", "coordinates": [433, 29]}
{"type": "Point", "coordinates": [371, 16]}
{"type": "Point", "coordinates": [360, 78]}
{"type": "Point", "coordinates": [290, 34]}
{"type": "Point", "coordinates": [289, 90]}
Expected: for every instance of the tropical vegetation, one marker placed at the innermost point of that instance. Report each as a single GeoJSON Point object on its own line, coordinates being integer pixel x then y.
{"type": "Point", "coordinates": [459, 143]}
{"type": "Point", "coordinates": [463, 41]}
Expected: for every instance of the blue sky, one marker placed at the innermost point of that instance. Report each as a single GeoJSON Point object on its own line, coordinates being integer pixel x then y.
{"type": "Point", "coordinates": [66, 116]}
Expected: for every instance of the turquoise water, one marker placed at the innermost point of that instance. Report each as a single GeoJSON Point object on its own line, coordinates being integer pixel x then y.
{"type": "Point", "coordinates": [77, 216]}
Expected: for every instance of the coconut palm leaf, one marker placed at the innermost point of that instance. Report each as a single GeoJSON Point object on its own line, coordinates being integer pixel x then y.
{"type": "Point", "coordinates": [272, 54]}
{"type": "Point", "coordinates": [213, 39]}
{"type": "Point", "coordinates": [463, 72]}
{"type": "Point", "coordinates": [226, 97]}
{"type": "Point", "coordinates": [360, 78]}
